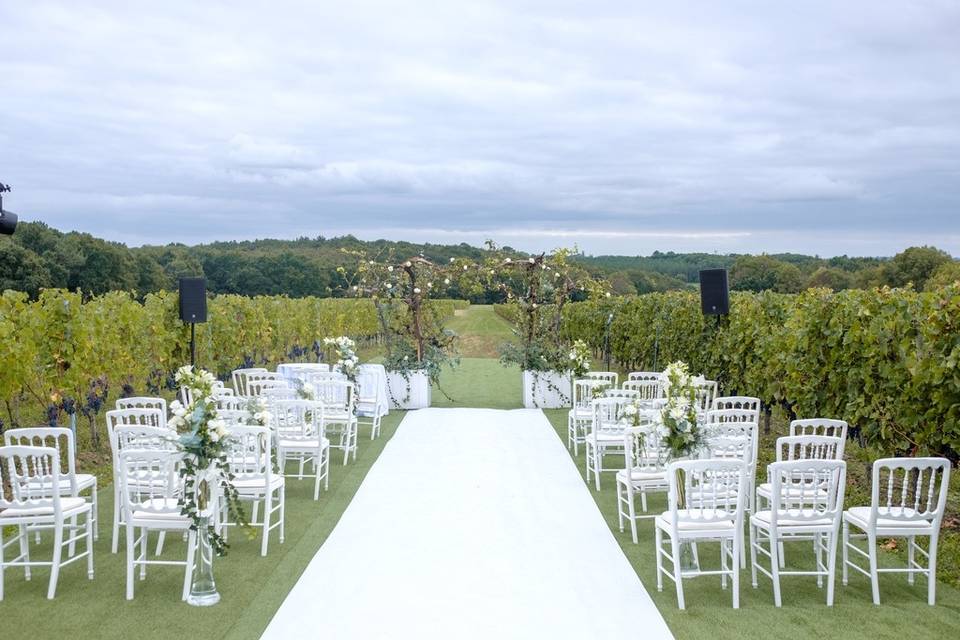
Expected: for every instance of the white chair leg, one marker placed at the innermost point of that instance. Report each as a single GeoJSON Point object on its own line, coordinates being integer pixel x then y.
{"type": "Point", "coordinates": [818, 555]}
{"type": "Point", "coordinates": [874, 577]}
{"type": "Point", "coordinates": [737, 545]}
{"type": "Point", "coordinates": [130, 552]}
{"type": "Point", "coordinates": [96, 511]}
{"type": "Point", "coordinates": [632, 511]}
{"type": "Point", "coordinates": [844, 553]}
{"type": "Point", "coordinates": [831, 565]}
{"type": "Point", "coordinates": [25, 551]}
{"type": "Point", "coordinates": [116, 522]}
{"type": "Point", "coordinates": [91, 531]}
{"type": "Point", "coordinates": [658, 540]}
{"type": "Point", "coordinates": [72, 545]}
{"type": "Point", "coordinates": [144, 542]}
{"type": "Point", "coordinates": [283, 512]}
{"type": "Point", "coordinates": [160, 540]}
{"type": "Point", "coordinates": [775, 567]}
{"type": "Point", "coordinates": [620, 505]}
{"type": "Point", "coordinates": [55, 565]}
{"type": "Point", "coordinates": [932, 569]}
{"type": "Point", "coordinates": [911, 543]}
{"type": "Point", "coordinates": [753, 555]}
{"type": "Point", "coordinates": [1, 564]}
{"type": "Point", "coordinates": [677, 573]}
{"type": "Point", "coordinates": [267, 506]}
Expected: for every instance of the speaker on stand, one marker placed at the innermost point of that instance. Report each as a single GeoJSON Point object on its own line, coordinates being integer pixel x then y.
{"type": "Point", "coordinates": [193, 308]}
{"type": "Point", "coordinates": [714, 292]}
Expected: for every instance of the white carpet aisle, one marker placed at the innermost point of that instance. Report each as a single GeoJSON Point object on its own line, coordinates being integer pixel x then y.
{"type": "Point", "coordinates": [473, 523]}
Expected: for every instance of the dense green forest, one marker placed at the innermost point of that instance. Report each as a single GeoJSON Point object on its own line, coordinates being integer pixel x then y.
{"type": "Point", "coordinates": [38, 256]}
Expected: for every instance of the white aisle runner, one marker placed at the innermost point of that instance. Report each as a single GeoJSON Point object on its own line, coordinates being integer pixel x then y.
{"type": "Point", "coordinates": [473, 523]}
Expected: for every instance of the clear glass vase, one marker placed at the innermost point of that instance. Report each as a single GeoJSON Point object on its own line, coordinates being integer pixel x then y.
{"type": "Point", "coordinates": [203, 588]}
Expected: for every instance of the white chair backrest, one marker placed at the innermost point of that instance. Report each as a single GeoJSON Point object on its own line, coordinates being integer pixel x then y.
{"type": "Point", "coordinates": [706, 391]}
{"type": "Point", "coordinates": [644, 375]}
{"type": "Point", "coordinates": [337, 396]}
{"type": "Point", "coordinates": [743, 403]}
{"type": "Point", "coordinates": [258, 382]}
{"type": "Point", "coordinates": [132, 417]}
{"type": "Point", "coordinates": [910, 489]}
{"type": "Point", "coordinates": [647, 389]}
{"type": "Point", "coordinates": [220, 390]}
{"type": "Point", "coordinates": [733, 440]}
{"type": "Point", "coordinates": [368, 385]}
{"type": "Point", "coordinates": [249, 453]}
{"type": "Point", "coordinates": [608, 376]}
{"type": "Point", "coordinates": [298, 419]}
{"type": "Point", "coordinates": [607, 414]}
{"type": "Point", "coordinates": [230, 403]}
{"type": "Point", "coordinates": [233, 416]}
{"type": "Point", "coordinates": [715, 491]}
{"type": "Point", "coordinates": [239, 377]}
{"type": "Point", "coordinates": [583, 394]}
{"type": "Point", "coordinates": [149, 482]}
{"type": "Point", "coordinates": [821, 427]}
{"type": "Point", "coordinates": [136, 436]}
{"type": "Point", "coordinates": [58, 438]}
{"type": "Point", "coordinates": [628, 394]}
{"type": "Point", "coordinates": [806, 490]}
{"type": "Point", "coordinates": [144, 402]}
{"type": "Point", "coordinates": [643, 450]}
{"type": "Point", "coordinates": [809, 448]}
{"type": "Point", "coordinates": [25, 468]}
{"type": "Point", "coordinates": [285, 392]}
{"type": "Point", "coordinates": [717, 416]}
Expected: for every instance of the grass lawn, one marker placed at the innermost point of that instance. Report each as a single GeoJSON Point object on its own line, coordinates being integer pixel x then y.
{"type": "Point", "coordinates": [804, 613]}
{"type": "Point", "coordinates": [252, 587]}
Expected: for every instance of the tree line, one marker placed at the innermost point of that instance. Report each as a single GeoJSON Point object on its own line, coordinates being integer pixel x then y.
{"type": "Point", "coordinates": [39, 257]}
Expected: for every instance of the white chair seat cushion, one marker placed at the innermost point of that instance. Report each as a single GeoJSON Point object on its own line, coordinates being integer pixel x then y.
{"type": "Point", "coordinates": [763, 518]}
{"type": "Point", "coordinates": [68, 507]}
{"type": "Point", "coordinates": [642, 476]}
{"type": "Point", "coordinates": [606, 438]}
{"type": "Point", "coordinates": [303, 445]}
{"type": "Point", "coordinates": [860, 516]}
{"type": "Point", "coordinates": [711, 521]}
{"type": "Point", "coordinates": [250, 484]}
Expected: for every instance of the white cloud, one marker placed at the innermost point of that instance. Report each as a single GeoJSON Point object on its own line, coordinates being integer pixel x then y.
{"type": "Point", "coordinates": [818, 124]}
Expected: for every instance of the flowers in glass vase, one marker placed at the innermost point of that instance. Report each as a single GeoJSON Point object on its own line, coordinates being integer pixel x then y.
{"type": "Point", "coordinates": [346, 350]}
{"type": "Point", "coordinates": [579, 356]}
{"type": "Point", "coordinates": [680, 433]}
{"type": "Point", "coordinates": [204, 438]}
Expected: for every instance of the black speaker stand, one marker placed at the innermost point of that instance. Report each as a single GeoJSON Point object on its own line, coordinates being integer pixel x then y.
{"type": "Point", "coordinates": [193, 344]}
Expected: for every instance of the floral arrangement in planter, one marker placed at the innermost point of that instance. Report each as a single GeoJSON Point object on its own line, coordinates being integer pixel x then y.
{"type": "Point", "coordinates": [418, 346]}
{"type": "Point", "coordinates": [348, 363]}
{"type": "Point", "coordinates": [537, 288]}
{"type": "Point", "coordinates": [681, 434]}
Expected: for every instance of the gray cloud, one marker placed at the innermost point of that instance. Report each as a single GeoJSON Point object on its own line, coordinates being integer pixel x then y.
{"type": "Point", "coordinates": [624, 127]}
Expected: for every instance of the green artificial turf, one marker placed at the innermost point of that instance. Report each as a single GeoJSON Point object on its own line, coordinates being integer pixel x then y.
{"type": "Point", "coordinates": [252, 587]}
{"type": "Point", "coordinates": [904, 612]}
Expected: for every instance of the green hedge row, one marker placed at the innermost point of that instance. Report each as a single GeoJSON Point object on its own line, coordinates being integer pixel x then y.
{"type": "Point", "coordinates": [886, 360]}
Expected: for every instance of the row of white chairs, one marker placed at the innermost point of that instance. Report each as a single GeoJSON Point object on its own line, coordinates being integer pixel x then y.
{"type": "Point", "coordinates": [908, 500]}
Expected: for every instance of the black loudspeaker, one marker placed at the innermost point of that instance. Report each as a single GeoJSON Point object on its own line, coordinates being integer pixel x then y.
{"type": "Point", "coordinates": [714, 293]}
{"type": "Point", "coordinates": [8, 222]}
{"type": "Point", "coordinates": [193, 300]}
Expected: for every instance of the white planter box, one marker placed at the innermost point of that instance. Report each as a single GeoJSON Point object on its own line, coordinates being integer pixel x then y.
{"type": "Point", "coordinates": [546, 390]}
{"type": "Point", "coordinates": [412, 395]}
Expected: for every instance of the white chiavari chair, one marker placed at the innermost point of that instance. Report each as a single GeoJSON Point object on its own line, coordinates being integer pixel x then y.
{"type": "Point", "coordinates": [715, 492]}
{"type": "Point", "coordinates": [144, 402]}
{"type": "Point", "coordinates": [644, 471]}
{"type": "Point", "coordinates": [907, 500]}
{"type": "Point", "coordinates": [22, 468]}
{"type": "Point", "coordinates": [249, 460]}
{"type": "Point", "coordinates": [605, 435]}
{"type": "Point", "coordinates": [239, 378]}
{"type": "Point", "coordinates": [299, 431]}
{"type": "Point", "coordinates": [339, 414]}
{"type": "Point", "coordinates": [806, 502]}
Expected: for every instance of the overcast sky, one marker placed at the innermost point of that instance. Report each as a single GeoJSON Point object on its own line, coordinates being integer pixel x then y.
{"type": "Point", "coordinates": [624, 127]}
